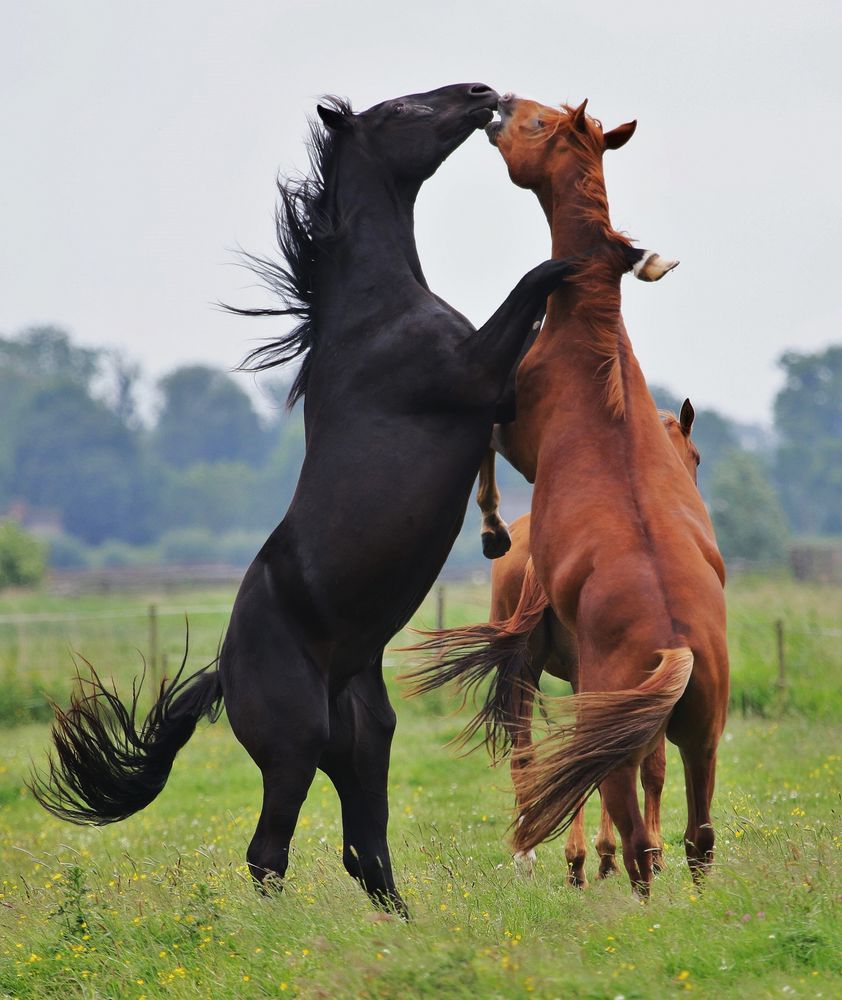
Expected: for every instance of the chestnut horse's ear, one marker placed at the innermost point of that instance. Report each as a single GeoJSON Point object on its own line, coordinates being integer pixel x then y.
{"type": "Point", "coordinates": [332, 119]}
{"type": "Point", "coordinates": [686, 417]}
{"type": "Point", "coordinates": [620, 135]}
{"type": "Point", "coordinates": [579, 116]}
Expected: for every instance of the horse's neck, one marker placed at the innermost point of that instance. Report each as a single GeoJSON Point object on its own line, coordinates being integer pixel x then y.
{"type": "Point", "coordinates": [566, 376]}
{"type": "Point", "coordinates": [568, 206]}
{"type": "Point", "coordinates": [375, 242]}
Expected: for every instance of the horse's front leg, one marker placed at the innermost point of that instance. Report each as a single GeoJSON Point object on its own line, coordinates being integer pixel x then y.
{"type": "Point", "coordinates": [496, 540]}
{"type": "Point", "coordinates": [495, 347]}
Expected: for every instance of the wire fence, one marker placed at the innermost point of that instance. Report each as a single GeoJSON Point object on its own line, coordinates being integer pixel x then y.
{"type": "Point", "coordinates": [449, 604]}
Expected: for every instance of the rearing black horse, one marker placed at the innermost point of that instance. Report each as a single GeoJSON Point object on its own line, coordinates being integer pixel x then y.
{"type": "Point", "coordinates": [400, 395]}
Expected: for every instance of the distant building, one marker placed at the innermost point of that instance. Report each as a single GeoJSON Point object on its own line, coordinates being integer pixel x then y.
{"type": "Point", "coordinates": [41, 522]}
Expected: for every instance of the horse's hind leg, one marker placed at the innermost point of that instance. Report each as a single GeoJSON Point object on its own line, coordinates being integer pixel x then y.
{"type": "Point", "coordinates": [520, 733]}
{"type": "Point", "coordinates": [606, 843]}
{"type": "Point", "coordinates": [620, 792]}
{"type": "Point", "coordinates": [652, 772]}
{"type": "Point", "coordinates": [496, 540]}
{"type": "Point", "coordinates": [280, 715]}
{"type": "Point", "coordinates": [575, 851]}
{"type": "Point", "coordinates": [699, 775]}
{"type": "Point", "coordinates": [357, 761]}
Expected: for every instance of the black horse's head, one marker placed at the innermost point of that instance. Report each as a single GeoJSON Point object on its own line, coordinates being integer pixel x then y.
{"type": "Point", "coordinates": [412, 136]}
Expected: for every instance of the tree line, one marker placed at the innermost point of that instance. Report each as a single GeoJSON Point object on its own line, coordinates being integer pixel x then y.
{"type": "Point", "coordinates": [207, 477]}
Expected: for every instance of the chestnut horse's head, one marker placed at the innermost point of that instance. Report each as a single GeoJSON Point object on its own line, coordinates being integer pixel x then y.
{"type": "Point", "coordinates": [678, 430]}
{"type": "Point", "coordinates": [539, 143]}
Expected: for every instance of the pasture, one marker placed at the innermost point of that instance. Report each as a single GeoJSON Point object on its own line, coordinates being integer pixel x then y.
{"type": "Point", "coordinates": [162, 906]}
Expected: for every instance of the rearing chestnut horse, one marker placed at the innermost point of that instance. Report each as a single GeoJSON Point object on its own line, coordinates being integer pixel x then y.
{"type": "Point", "coordinates": [621, 542]}
{"type": "Point", "coordinates": [521, 640]}
{"type": "Point", "coordinates": [400, 393]}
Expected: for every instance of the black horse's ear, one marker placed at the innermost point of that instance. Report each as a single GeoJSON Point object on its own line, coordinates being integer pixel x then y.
{"type": "Point", "coordinates": [686, 417]}
{"type": "Point", "coordinates": [579, 117]}
{"type": "Point", "coordinates": [332, 119]}
{"type": "Point", "coordinates": [620, 135]}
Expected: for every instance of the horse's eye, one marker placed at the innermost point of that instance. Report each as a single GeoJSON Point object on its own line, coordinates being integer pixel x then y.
{"type": "Point", "coordinates": [539, 123]}
{"type": "Point", "coordinates": [399, 108]}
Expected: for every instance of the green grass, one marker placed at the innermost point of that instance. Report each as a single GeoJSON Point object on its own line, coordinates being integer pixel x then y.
{"type": "Point", "coordinates": [161, 905]}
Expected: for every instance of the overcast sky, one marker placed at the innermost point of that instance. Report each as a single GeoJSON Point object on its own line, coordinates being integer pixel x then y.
{"type": "Point", "coordinates": [141, 143]}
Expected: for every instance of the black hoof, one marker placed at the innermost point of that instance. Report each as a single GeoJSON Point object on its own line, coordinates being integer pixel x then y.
{"type": "Point", "coordinates": [496, 543]}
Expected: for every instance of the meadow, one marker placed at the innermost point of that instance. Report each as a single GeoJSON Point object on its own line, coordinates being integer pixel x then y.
{"type": "Point", "coordinates": [162, 905]}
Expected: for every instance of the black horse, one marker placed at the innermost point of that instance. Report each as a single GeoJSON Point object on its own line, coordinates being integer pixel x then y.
{"type": "Point", "coordinates": [400, 396]}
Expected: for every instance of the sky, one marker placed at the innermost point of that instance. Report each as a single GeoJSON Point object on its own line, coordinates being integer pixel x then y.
{"type": "Point", "coordinates": [142, 141]}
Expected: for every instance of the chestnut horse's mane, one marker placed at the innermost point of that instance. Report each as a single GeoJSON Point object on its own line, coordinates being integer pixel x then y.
{"type": "Point", "coordinates": [597, 277]}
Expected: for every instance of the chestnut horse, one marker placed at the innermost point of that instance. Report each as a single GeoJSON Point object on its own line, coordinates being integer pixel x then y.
{"type": "Point", "coordinates": [621, 543]}
{"type": "Point", "coordinates": [523, 639]}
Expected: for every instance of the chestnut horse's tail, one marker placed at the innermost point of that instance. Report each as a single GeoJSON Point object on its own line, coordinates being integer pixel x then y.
{"type": "Point", "coordinates": [106, 767]}
{"type": "Point", "coordinates": [608, 727]}
{"type": "Point", "coordinates": [469, 654]}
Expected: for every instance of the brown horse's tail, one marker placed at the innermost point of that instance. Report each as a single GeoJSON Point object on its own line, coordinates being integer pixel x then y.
{"type": "Point", "coordinates": [471, 653]}
{"type": "Point", "coordinates": [607, 728]}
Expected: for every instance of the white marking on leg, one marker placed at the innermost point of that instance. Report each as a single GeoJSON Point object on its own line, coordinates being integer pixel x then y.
{"type": "Point", "coordinates": [525, 862]}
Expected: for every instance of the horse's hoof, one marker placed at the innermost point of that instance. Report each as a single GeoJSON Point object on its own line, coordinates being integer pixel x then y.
{"type": "Point", "coordinates": [496, 543]}
{"type": "Point", "coordinates": [607, 866]}
{"type": "Point", "coordinates": [652, 266]}
{"type": "Point", "coordinates": [525, 863]}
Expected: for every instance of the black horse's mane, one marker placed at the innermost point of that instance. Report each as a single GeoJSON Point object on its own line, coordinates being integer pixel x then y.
{"type": "Point", "coordinates": [303, 225]}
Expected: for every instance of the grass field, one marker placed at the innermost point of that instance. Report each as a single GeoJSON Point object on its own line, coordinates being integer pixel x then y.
{"type": "Point", "coordinates": [161, 905]}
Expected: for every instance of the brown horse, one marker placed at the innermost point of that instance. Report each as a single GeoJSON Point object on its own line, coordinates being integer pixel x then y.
{"type": "Point", "coordinates": [523, 639]}
{"type": "Point", "coordinates": [621, 543]}
{"type": "Point", "coordinates": [551, 648]}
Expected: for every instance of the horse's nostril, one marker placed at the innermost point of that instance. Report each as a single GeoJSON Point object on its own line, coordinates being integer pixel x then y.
{"type": "Point", "coordinates": [480, 90]}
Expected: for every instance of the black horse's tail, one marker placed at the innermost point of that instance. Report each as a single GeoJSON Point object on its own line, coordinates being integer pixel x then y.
{"type": "Point", "coordinates": [105, 768]}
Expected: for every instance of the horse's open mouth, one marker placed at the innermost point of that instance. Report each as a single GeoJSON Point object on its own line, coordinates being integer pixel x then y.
{"type": "Point", "coordinates": [482, 116]}
{"type": "Point", "coordinates": [492, 130]}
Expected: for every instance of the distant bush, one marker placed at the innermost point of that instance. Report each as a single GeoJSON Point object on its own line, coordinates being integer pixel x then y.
{"type": "Point", "coordinates": [238, 548]}
{"type": "Point", "coordinates": [117, 555]}
{"type": "Point", "coordinates": [23, 559]}
{"type": "Point", "coordinates": [747, 517]}
{"type": "Point", "coordinates": [189, 546]}
{"type": "Point", "coordinates": [22, 700]}
{"type": "Point", "coordinates": [67, 552]}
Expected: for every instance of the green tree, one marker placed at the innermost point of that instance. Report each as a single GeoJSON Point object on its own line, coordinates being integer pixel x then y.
{"type": "Point", "coordinates": [45, 353]}
{"type": "Point", "coordinates": [74, 455]}
{"type": "Point", "coordinates": [23, 558]}
{"type": "Point", "coordinates": [206, 417]}
{"type": "Point", "coordinates": [746, 514]}
{"type": "Point", "coordinates": [217, 497]}
{"type": "Point", "coordinates": [808, 421]}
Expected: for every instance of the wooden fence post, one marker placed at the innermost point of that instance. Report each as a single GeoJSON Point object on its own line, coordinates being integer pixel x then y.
{"type": "Point", "coordinates": [440, 607]}
{"type": "Point", "coordinates": [779, 636]}
{"type": "Point", "coordinates": [153, 646]}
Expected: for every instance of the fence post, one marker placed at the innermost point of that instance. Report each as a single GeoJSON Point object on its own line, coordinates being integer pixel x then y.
{"type": "Point", "coordinates": [440, 607]}
{"type": "Point", "coordinates": [779, 636]}
{"type": "Point", "coordinates": [153, 646]}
